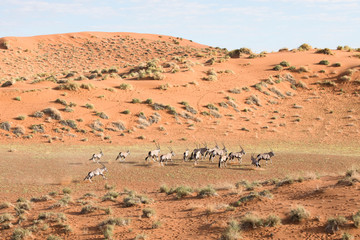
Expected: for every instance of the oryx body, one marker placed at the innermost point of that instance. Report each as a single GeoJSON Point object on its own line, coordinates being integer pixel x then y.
{"type": "Point", "coordinates": [166, 157]}
{"type": "Point", "coordinates": [96, 172]}
{"type": "Point", "coordinates": [237, 155]}
{"type": "Point", "coordinates": [265, 156]}
{"type": "Point", "coordinates": [154, 154]}
{"type": "Point", "coordinates": [122, 155]}
{"type": "Point", "coordinates": [223, 160]}
{"type": "Point", "coordinates": [96, 157]}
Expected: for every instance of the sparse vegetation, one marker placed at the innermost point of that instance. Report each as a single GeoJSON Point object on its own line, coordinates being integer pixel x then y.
{"type": "Point", "coordinates": [298, 214]}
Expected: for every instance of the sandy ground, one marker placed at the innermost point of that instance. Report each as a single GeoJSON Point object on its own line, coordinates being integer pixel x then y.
{"type": "Point", "coordinates": [102, 90]}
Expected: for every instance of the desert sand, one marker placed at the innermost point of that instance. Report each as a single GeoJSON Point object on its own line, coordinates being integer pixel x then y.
{"type": "Point", "coordinates": [65, 97]}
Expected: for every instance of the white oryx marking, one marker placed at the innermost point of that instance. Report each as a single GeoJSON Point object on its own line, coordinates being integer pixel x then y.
{"type": "Point", "coordinates": [166, 157]}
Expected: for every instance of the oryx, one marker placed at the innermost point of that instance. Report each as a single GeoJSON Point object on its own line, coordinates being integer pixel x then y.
{"type": "Point", "coordinates": [202, 152]}
{"type": "Point", "coordinates": [96, 157]}
{"type": "Point", "coordinates": [122, 155]}
{"type": "Point", "coordinates": [166, 157]}
{"type": "Point", "coordinates": [218, 152]}
{"type": "Point", "coordinates": [237, 155]}
{"type": "Point", "coordinates": [265, 156]}
{"type": "Point", "coordinates": [154, 154]}
{"type": "Point", "coordinates": [254, 161]}
{"type": "Point", "coordinates": [223, 160]}
{"type": "Point", "coordinates": [96, 172]}
{"type": "Point", "coordinates": [186, 154]}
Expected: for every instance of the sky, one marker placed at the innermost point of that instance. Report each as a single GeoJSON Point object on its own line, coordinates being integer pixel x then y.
{"type": "Point", "coordinates": [262, 25]}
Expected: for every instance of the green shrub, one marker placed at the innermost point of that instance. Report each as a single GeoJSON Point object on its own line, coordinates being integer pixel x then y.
{"type": "Point", "coordinates": [326, 51]}
{"type": "Point", "coordinates": [156, 224]}
{"type": "Point", "coordinates": [278, 68]}
{"type": "Point", "coordinates": [135, 100]}
{"type": "Point", "coordinates": [125, 86]}
{"type": "Point", "coordinates": [347, 236]}
{"type": "Point", "coordinates": [304, 47]}
{"type": "Point", "coordinates": [337, 64]}
{"type": "Point", "coordinates": [6, 217]}
{"type": "Point", "coordinates": [284, 64]}
{"type": "Point", "coordinates": [324, 62]}
{"type": "Point", "coordinates": [119, 221]}
{"type": "Point", "coordinates": [356, 219]}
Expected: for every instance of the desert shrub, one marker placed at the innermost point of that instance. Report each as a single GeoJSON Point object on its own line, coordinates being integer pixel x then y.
{"type": "Point", "coordinates": [298, 214]}
{"type": "Point", "coordinates": [52, 217]}
{"type": "Point", "coordinates": [333, 224]}
{"type": "Point", "coordinates": [18, 98]}
{"type": "Point", "coordinates": [164, 189]}
{"type": "Point", "coordinates": [134, 199]}
{"type": "Point", "coordinates": [86, 86]}
{"type": "Point", "coordinates": [324, 62]}
{"type": "Point", "coordinates": [337, 64]}
{"type": "Point", "coordinates": [20, 233]}
{"type": "Point", "coordinates": [284, 64]}
{"type": "Point", "coordinates": [304, 47]}
{"type": "Point", "coordinates": [232, 231]}
{"type": "Point", "coordinates": [5, 126]}
{"type": "Point", "coordinates": [102, 115]}
{"type": "Point", "coordinates": [19, 130]}
{"type": "Point", "coordinates": [345, 78]}
{"type": "Point", "coordinates": [356, 219]}
{"type": "Point", "coordinates": [53, 113]}
{"type": "Point", "coordinates": [38, 114]}
{"type": "Point", "coordinates": [88, 209]}
{"type": "Point", "coordinates": [347, 236]}
{"type": "Point", "coordinates": [61, 101]}
{"type": "Point", "coordinates": [43, 198]}
{"type": "Point", "coordinates": [181, 191]}
{"type": "Point", "coordinates": [127, 111]}
{"type": "Point", "coordinates": [71, 86]}
{"type": "Point", "coordinates": [69, 123]}
{"type": "Point", "coordinates": [253, 100]}
{"type": "Point", "coordinates": [250, 221]}
{"type": "Point", "coordinates": [135, 100]}
{"type": "Point", "coordinates": [211, 78]}
{"type": "Point", "coordinates": [141, 236]}
{"type": "Point", "coordinates": [272, 221]}
{"type": "Point", "coordinates": [5, 205]}
{"type": "Point", "coordinates": [110, 196]}
{"type": "Point", "coordinates": [235, 90]}
{"type": "Point", "coordinates": [326, 51]}
{"type": "Point", "coordinates": [6, 217]}
{"type": "Point", "coordinates": [207, 192]}
{"type": "Point", "coordinates": [125, 86]}
{"type": "Point", "coordinates": [108, 231]}
{"type": "Point", "coordinates": [148, 212]}
{"type": "Point", "coordinates": [119, 221]}
{"type": "Point", "coordinates": [278, 68]}
{"type": "Point", "coordinates": [212, 107]}
{"type": "Point", "coordinates": [53, 237]}
{"type": "Point", "coordinates": [156, 224]}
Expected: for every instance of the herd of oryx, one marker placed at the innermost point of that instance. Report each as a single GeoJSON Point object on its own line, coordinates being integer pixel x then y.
{"type": "Point", "coordinates": [199, 153]}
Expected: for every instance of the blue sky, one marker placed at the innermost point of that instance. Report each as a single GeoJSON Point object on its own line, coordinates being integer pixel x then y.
{"type": "Point", "coordinates": [258, 24]}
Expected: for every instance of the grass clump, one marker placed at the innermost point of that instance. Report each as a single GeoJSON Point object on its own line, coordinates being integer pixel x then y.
{"type": "Point", "coordinates": [284, 64]}
{"type": "Point", "coordinates": [304, 47]}
{"type": "Point", "coordinates": [88, 209]}
{"type": "Point", "coordinates": [324, 62]}
{"type": "Point", "coordinates": [356, 219]}
{"type": "Point", "coordinates": [298, 214]}
{"type": "Point", "coordinates": [20, 233]}
{"type": "Point", "coordinates": [135, 199]}
{"type": "Point", "coordinates": [232, 231]}
{"type": "Point", "coordinates": [125, 86]}
{"type": "Point", "coordinates": [135, 100]}
{"type": "Point", "coordinates": [53, 113]}
{"type": "Point", "coordinates": [326, 51]}
{"type": "Point", "coordinates": [333, 224]}
{"type": "Point", "coordinates": [347, 236]}
{"type": "Point", "coordinates": [119, 221]}
{"type": "Point", "coordinates": [71, 86]}
{"type": "Point", "coordinates": [277, 67]}
{"type": "Point", "coordinates": [207, 192]}
{"type": "Point", "coordinates": [110, 196]}
{"type": "Point", "coordinates": [272, 221]}
{"type": "Point", "coordinates": [6, 217]}
{"type": "Point", "coordinates": [5, 205]}
{"type": "Point", "coordinates": [250, 221]}
{"type": "Point", "coordinates": [148, 212]}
